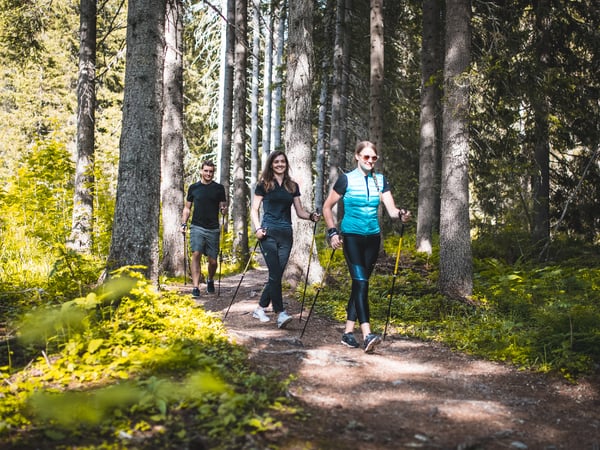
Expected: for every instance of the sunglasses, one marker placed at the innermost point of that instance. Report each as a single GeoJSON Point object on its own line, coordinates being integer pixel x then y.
{"type": "Point", "coordinates": [366, 158]}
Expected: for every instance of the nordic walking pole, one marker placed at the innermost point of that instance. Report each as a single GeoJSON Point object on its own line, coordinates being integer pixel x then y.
{"type": "Point", "coordinates": [221, 254]}
{"type": "Point", "coordinates": [241, 278]}
{"type": "Point", "coordinates": [312, 245]}
{"type": "Point", "coordinates": [317, 293]}
{"type": "Point", "coordinates": [184, 258]}
{"type": "Point", "coordinates": [391, 294]}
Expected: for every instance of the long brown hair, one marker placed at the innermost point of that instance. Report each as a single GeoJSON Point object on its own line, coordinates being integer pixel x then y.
{"type": "Point", "coordinates": [267, 178]}
{"type": "Point", "coordinates": [359, 148]}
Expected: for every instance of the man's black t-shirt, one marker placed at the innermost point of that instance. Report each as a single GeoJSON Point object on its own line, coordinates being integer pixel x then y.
{"type": "Point", "coordinates": [206, 199]}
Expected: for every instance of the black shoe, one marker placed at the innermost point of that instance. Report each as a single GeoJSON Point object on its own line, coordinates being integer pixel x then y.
{"type": "Point", "coordinates": [195, 292]}
{"type": "Point", "coordinates": [349, 340]}
{"type": "Point", "coordinates": [210, 286]}
{"type": "Point", "coordinates": [371, 341]}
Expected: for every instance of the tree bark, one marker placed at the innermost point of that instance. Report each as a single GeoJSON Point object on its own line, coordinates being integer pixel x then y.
{"type": "Point", "coordinates": [254, 98]}
{"type": "Point", "coordinates": [298, 132]}
{"type": "Point", "coordinates": [240, 188]}
{"type": "Point", "coordinates": [431, 73]}
{"type": "Point", "coordinates": [456, 277]}
{"type": "Point", "coordinates": [172, 188]}
{"type": "Point", "coordinates": [137, 210]}
{"type": "Point", "coordinates": [376, 78]}
{"type": "Point", "coordinates": [227, 113]}
{"type": "Point", "coordinates": [539, 103]}
{"type": "Point", "coordinates": [81, 238]}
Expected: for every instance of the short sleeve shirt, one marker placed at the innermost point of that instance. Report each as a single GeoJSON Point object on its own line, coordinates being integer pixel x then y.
{"type": "Point", "coordinates": [206, 199]}
{"type": "Point", "coordinates": [277, 205]}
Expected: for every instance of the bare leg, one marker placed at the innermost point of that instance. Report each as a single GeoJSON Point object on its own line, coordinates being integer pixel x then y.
{"type": "Point", "coordinates": [212, 267]}
{"type": "Point", "coordinates": [196, 268]}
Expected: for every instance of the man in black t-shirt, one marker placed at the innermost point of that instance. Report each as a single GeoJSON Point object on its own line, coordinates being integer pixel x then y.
{"type": "Point", "coordinates": [207, 198]}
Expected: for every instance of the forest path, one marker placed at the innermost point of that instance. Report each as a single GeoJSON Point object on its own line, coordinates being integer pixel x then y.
{"type": "Point", "coordinates": [408, 394]}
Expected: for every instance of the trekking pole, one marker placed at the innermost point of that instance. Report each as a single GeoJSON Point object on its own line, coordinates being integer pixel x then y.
{"type": "Point", "coordinates": [221, 254]}
{"type": "Point", "coordinates": [184, 258]}
{"type": "Point", "coordinates": [391, 294]}
{"type": "Point", "coordinates": [312, 245]}
{"type": "Point", "coordinates": [241, 278]}
{"type": "Point", "coordinates": [317, 293]}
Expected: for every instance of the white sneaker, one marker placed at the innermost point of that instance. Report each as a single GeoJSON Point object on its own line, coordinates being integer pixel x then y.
{"type": "Point", "coordinates": [259, 313]}
{"type": "Point", "coordinates": [283, 319]}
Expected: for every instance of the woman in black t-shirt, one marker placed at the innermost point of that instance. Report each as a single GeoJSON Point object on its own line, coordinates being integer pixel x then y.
{"type": "Point", "coordinates": [277, 192]}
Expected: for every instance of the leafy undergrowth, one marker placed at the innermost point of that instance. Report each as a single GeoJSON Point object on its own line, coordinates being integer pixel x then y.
{"type": "Point", "coordinates": [542, 317]}
{"type": "Point", "coordinates": [126, 367]}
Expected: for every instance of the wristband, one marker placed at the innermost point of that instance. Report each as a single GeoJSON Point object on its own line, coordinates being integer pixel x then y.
{"type": "Point", "coordinates": [331, 232]}
{"type": "Point", "coordinates": [184, 225]}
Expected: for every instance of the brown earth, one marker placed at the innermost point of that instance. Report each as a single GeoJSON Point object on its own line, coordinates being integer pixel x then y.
{"type": "Point", "coordinates": [408, 394]}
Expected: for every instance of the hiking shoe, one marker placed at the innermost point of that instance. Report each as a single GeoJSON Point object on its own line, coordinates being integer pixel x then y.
{"type": "Point", "coordinates": [349, 340]}
{"type": "Point", "coordinates": [210, 286]}
{"type": "Point", "coordinates": [371, 341]}
{"type": "Point", "coordinates": [259, 313]}
{"type": "Point", "coordinates": [283, 319]}
{"type": "Point", "coordinates": [195, 292]}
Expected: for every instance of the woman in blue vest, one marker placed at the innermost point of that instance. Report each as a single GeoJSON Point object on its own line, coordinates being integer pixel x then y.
{"type": "Point", "coordinates": [362, 190]}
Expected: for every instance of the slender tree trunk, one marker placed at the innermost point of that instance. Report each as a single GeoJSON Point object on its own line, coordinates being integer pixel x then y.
{"type": "Point", "coordinates": [346, 46]}
{"type": "Point", "coordinates": [428, 144]}
{"type": "Point", "coordinates": [336, 157]}
{"type": "Point", "coordinates": [267, 86]}
{"type": "Point", "coordinates": [322, 124]}
{"type": "Point", "coordinates": [227, 113]}
{"type": "Point", "coordinates": [254, 91]}
{"type": "Point", "coordinates": [172, 189]}
{"type": "Point", "coordinates": [298, 131]}
{"type": "Point", "coordinates": [240, 188]}
{"type": "Point", "coordinates": [376, 78]}
{"type": "Point", "coordinates": [81, 238]}
{"type": "Point", "coordinates": [539, 101]}
{"type": "Point", "coordinates": [456, 277]}
{"type": "Point", "coordinates": [276, 108]}
{"type": "Point", "coordinates": [137, 209]}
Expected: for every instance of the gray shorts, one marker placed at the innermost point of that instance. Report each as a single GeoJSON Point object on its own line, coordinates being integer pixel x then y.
{"type": "Point", "coordinates": [205, 241]}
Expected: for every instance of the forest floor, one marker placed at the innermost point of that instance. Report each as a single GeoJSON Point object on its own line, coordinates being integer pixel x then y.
{"type": "Point", "coordinates": [407, 394]}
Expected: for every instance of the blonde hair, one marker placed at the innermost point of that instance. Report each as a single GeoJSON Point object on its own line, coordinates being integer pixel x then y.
{"type": "Point", "coordinates": [357, 151]}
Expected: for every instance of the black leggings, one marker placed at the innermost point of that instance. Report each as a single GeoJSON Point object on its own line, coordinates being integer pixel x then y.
{"type": "Point", "coordinates": [276, 248]}
{"type": "Point", "coordinates": [361, 254]}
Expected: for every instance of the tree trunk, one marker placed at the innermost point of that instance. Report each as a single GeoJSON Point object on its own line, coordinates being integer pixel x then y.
{"type": "Point", "coordinates": [172, 189]}
{"type": "Point", "coordinates": [428, 216]}
{"type": "Point", "coordinates": [240, 188]}
{"type": "Point", "coordinates": [539, 103]}
{"type": "Point", "coordinates": [137, 209]}
{"type": "Point", "coordinates": [322, 120]}
{"type": "Point", "coordinates": [279, 25]}
{"type": "Point", "coordinates": [456, 277]}
{"type": "Point", "coordinates": [254, 91]}
{"type": "Point", "coordinates": [376, 78]}
{"type": "Point", "coordinates": [298, 132]}
{"type": "Point", "coordinates": [267, 86]}
{"type": "Point", "coordinates": [227, 113]}
{"type": "Point", "coordinates": [336, 156]}
{"type": "Point", "coordinates": [81, 238]}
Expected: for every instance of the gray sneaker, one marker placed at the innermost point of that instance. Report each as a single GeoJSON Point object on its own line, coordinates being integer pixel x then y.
{"type": "Point", "coordinates": [283, 319]}
{"type": "Point", "coordinates": [349, 340]}
{"type": "Point", "coordinates": [371, 341]}
{"type": "Point", "coordinates": [259, 313]}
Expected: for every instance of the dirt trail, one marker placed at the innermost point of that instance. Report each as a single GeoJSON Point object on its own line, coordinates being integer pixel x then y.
{"type": "Point", "coordinates": [408, 394]}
